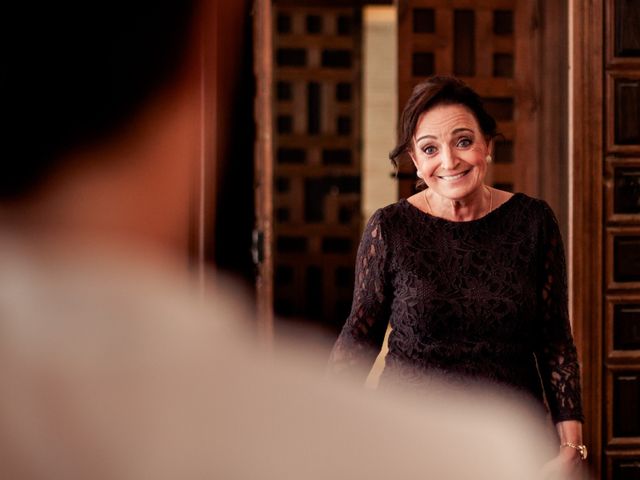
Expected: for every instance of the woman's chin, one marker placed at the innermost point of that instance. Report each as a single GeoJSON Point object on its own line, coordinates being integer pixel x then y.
{"type": "Point", "coordinates": [456, 190]}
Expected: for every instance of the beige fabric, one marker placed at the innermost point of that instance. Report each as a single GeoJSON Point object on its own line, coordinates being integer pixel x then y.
{"type": "Point", "coordinates": [112, 368]}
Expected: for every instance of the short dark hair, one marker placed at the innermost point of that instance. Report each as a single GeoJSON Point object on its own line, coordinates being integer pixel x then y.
{"type": "Point", "coordinates": [438, 90]}
{"type": "Point", "coordinates": [75, 72]}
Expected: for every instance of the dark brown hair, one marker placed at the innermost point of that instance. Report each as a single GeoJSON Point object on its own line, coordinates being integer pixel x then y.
{"type": "Point", "coordinates": [438, 90]}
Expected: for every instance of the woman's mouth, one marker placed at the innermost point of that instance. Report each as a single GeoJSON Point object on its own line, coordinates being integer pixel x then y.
{"type": "Point", "coordinates": [453, 177]}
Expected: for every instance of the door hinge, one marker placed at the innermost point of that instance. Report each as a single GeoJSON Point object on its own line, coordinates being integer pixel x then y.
{"type": "Point", "coordinates": [257, 246]}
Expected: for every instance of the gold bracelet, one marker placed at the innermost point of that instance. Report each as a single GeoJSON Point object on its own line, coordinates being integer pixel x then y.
{"type": "Point", "coordinates": [582, 449]}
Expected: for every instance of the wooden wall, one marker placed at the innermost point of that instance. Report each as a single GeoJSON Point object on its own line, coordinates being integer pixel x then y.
{"type": "Point", "coordinates": [606, 228]}
{"type": "Point", "coordinates": [622, 239]}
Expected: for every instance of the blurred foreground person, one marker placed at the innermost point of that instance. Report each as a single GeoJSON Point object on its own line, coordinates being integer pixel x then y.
{"type": "Point", "coordinates": [112, 367]}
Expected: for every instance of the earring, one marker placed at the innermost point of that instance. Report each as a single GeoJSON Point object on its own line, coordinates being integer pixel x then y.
{"type": "Point", "coordinates": [489, 159]}
{"type": "Point", "coordinates": [418, 174]}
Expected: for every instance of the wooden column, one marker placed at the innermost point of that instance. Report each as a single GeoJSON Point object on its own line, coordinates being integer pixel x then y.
{"type": "Point", "coordinates": [263, 233]}
{"type": "Point", "coordinates": [585, 241]}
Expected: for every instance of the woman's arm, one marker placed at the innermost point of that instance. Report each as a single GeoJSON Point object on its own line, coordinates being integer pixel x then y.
{"type": "Point", "coordinates": [555, 351]}
{"type": "Point", "coordinates": [363, 333]}
{"type": "Point", "coordinates": [570, 431]}
{"type": "Point", "coordinates": [556, 354]}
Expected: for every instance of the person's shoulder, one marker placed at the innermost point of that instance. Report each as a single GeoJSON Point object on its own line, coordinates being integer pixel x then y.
{"type": "Point", "coordinates": [535, 206]}
{"type": "Point", "coordinates": [385, 219]}
{"type": "Point", "coordinates": [538, 213]}
{"type": "Point", "coordinates": [382, 214]}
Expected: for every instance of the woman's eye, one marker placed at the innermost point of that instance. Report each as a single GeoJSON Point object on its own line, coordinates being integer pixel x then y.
{"type": "Point", "coordinates": [464, 142]}
{"type": "Point", "coordinates": [430, 150]}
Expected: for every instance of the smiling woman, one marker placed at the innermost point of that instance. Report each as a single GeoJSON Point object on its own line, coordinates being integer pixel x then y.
{"type": "Point", "coordinates": [450, 153]}
{"type": "Point", "coordinates": [471, 279]}
{"type": "Point", "coordinates": [449, 137]}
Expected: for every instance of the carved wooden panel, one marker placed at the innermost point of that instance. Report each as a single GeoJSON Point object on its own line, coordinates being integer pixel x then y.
{"type": "Point", "coordinates": [624, 31]}
{"type": "Point", "coordinates": [624, 466]}
{"type": "Point", "coordinates": [623, 112]}
{"type": "Point", "coordinates": [622, 190]}
{"type": "Point", "coordinates": [622, 328]}
{"type": "Point", "coordinates": [626, 326]}
{"type": "Point", "coordinates": [478, 42]}
{"type": "Point", "coordinates": [622, 402]}
{"type": "Point", "coordinates": [316, 145]}
{"type": "Point", "coordinates": [623, 323]}
{"type": "Point", "coordinates": [626, 124]}
{"type": "Point", "coordinates": [627, 28]}
{"type": "Point", "coordinates": [626, 193]}
{"type": "Point", "coordinates": [626, 258]}
{"type": "Point", "coordinates": [622, 226]}
{"type": "Point", "coordinates": [623, 258]}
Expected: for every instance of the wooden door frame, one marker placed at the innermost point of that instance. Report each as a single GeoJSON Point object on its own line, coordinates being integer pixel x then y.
{"type": "Point", "coordinates": [203, 199]}
{"type": "Point", "coordinates": [585, 209]}
{"type": "Point", "coordinates": [263, 232]}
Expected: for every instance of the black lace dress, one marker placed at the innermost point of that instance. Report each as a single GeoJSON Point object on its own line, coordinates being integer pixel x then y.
{"type": "Point", "coordinates": [484, 299]}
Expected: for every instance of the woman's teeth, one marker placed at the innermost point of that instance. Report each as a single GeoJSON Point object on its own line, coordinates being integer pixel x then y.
{"type": "Point", "coordinates": [452, 177]}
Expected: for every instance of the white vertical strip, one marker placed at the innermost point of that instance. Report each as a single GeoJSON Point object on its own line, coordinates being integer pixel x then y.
{"type": "Point", "coordinates": [379, 106]}
{"type": "Point", "coordinates": [379, 120]}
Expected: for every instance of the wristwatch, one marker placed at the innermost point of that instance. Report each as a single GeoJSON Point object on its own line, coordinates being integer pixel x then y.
{"type": "Point", "coordinates": [582, 449]}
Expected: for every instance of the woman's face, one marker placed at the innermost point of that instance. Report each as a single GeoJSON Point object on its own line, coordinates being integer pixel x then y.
{"type": "Point", "coordinates": [450, 151]}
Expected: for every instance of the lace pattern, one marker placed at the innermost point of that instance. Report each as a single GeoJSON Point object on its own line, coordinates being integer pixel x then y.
{"type": "Point", "coordinates": [483, 300]}
{"type": "Point", "coordinates": [363, 334]}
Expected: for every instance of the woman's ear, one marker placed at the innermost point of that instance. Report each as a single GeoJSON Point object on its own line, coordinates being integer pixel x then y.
{"type": "Point", "coordinates": [490, 147]}
{"type": "Point", "coordinates": [413, 159]}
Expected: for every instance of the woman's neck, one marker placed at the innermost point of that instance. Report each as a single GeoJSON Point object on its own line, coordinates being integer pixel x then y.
{"type": "Point", "coordinates": [472, 207]}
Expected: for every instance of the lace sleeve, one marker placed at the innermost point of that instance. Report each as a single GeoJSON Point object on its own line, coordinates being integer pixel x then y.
{"type": "Point", "coordinates": [363, 333]}
{"type": "Point", "coordinates": [556, 353]}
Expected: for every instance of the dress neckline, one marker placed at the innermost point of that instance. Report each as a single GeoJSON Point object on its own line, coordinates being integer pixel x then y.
{"type": "Point", "coordinates": [493, 212]}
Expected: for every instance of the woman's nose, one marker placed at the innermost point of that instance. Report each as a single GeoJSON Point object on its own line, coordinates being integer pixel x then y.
{"type": "Point", "coordinates": [448, 159]}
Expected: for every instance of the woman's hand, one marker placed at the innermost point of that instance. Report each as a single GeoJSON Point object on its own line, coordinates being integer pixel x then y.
{"type": "Point", "coordinates": [564, 466]}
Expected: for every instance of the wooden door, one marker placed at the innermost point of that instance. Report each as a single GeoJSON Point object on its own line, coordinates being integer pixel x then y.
{"type": "Point", "coordinates": [514, 53]}
{"type": "Point", "coordinates": [606, 226]}
{"type": "Point", "coordinates": [490, 45]}
{"type": "Point", "coordinates": [316, 159]}
{"type": "Point", "coordinates": [307, 159]}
